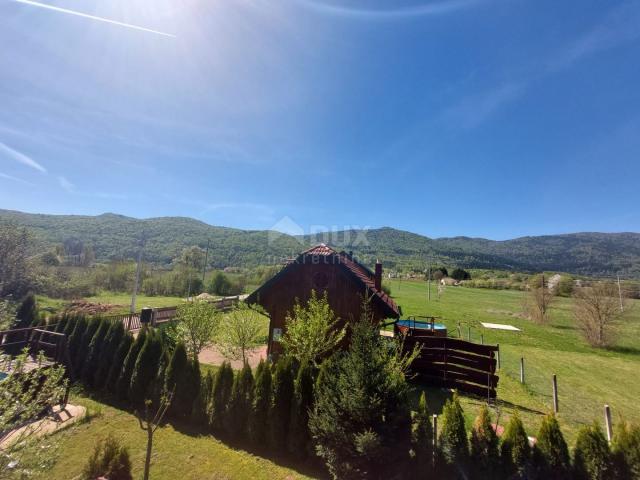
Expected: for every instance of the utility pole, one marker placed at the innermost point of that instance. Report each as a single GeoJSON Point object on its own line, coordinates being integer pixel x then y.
{"type": "Point", "coordinates": [204, 267]}
{"type": "Point", "coordinates": [429, 281]}
{"type": "Point", "coordinates": [620, 295]}
{"type": "Point", "coordinates": [132, 309]}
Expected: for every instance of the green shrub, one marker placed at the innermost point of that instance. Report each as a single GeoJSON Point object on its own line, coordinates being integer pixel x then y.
{"type": "Point", "coordinates": [83, 347]}
{"type": "Point", "coordinates": [626, 451]}
{"type": "Point", "coordinates": [591, 457]}
{"type": "Point", "coordinates": [124, 379]}
{"type": "Point", "coordinates": [422, 436]}
{"type": "Point", "coordinates": [299, 442]}
{"type": "Point", "coordinates": [145, 371]}
{"type": "Point", "coordinates": [108, 460]}
{"type": "Point", "coordinates": [27, 313]}
{"type": "Point", "coordinates": [221, 393]}
{"type": "Point", "coordinates": [515, 452]}
{"type": "Point", "coordinates": [261, 403]}
{"type": "Point", "coordinates": [483, 449]}
{"type": "Point", "coordinates": [280, 413]}
{"type": "Point", "coordinates": [115, 369]}
{"type": "Point", "coordinates": [76, 339]}
{"type": "Point", "coordinates": [176, 376]}
{"type": "Point", "coordinates": [200, 411]}
{"type": "Point", "coordinates": [453, 436]}
{"type": "Point", "coordinates": [553, 449]}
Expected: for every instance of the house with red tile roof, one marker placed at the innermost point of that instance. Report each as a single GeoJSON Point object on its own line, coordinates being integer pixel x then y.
{"type": "Point", "coordinates": [321, 268]}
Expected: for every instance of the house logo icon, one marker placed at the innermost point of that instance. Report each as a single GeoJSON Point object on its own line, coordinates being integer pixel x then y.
{"type": "Point", "coordinates": [285, 226]}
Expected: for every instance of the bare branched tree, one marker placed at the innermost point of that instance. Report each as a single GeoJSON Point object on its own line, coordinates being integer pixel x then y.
{"type": "Point", "coordinates": [597, 310]}
{"type": "Point", "coordinates": [149, 422]}
{"type": "Point", "coordinates": [539, 300]}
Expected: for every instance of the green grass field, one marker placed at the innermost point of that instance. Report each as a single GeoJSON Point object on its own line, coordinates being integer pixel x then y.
{"type": "Point", "coordinates": [587, 377]}
{"type": "Point", "coordinates": [121, 300]}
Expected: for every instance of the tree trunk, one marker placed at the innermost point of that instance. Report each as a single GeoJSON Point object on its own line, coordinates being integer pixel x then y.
{"type": "Point", "coordinates": [147, 462]}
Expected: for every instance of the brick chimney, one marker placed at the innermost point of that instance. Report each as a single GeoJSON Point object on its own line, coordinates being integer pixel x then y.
{"type": "Point", "coordinates": [377, 278]}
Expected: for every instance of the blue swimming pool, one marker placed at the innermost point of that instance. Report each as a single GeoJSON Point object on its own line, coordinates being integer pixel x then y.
{"type": "Point", "coordinates": [420, 325]}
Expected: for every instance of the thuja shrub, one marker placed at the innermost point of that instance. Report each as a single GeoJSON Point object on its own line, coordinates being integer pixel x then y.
{"type": "Point", "coordinates": [145, 370]}
{"type": "Point", "coordinates": [591, 457]}
{"type": "Point", "coordinates": [124, 379]}
{"type": "Point", "coordinates": [422, 436]}
{"type": "Point", "coordinates": [453, 437]}
{"type": "Point", "coordinates": [109, 460]}
{"type": "Point", "coordinates": [280, 412]}
{"type": "Point", "coordinates": [515, 452]}
{"type": "Point", "coordinates": [220, 396]}
{"type": "Point", "coordinates": [483, 449]}
{"type": "Point", "coordinates": [115, 368]}
{"type": "Point", "coordinates": [258, 419]}
{"type": "Point", "coordinates": [556, 463]}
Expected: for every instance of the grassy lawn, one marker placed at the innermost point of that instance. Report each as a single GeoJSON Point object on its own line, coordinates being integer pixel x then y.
{"type": "Point", "coordinates": [587, 377]}
{"type": "Point", "coordinates": [186, 455]}
{"type": "Point", "coordinates": [121, 300]}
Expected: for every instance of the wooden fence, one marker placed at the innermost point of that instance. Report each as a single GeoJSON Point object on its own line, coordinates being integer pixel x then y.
{"type": "Point", "coordinates": [455, 363]}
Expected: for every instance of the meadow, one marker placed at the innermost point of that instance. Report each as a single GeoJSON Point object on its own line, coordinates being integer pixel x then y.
{"type": "Point", "coordinates": [588, 377]}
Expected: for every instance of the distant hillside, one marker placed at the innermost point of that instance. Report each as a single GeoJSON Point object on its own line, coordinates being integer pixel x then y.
{"type": "Point", "coordinates": [116, 236]}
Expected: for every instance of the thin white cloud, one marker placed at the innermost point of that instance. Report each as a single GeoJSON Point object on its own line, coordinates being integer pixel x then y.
{"type": "Point", "coordinates": [430, 9]}
{"type": "Point", "coordinates": [21, 158]}
{"type": "Point", "coordinates": [92, 17]}
{"type": "Point", "coordinates": [66, 184]}
{"type": "Point", "coordinates": [15, 179]}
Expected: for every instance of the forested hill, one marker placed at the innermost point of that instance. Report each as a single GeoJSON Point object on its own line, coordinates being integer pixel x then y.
{"type": "Point", "coordinates": [116, 237]}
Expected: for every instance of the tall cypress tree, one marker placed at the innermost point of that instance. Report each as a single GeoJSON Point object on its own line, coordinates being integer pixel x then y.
{"type": "Point", "coordinates": [201, 405]}
{"type": "Point", "coordinates": [182, 378]}
{"type": "Point", "coordinates": [422, 436]}
{"type": "Point", "coordinates": [27, 313]}
{"type": "Point", "coordinates": [515, 453]}
{"type": "Point", "coordinates": [115, 368]}
{"type": "Point", "coordinates": [484, 447]}
{"type": "Point", "coordinates": [221, 393]}
{"type": "Point", "coordinates": [145, 370]}
{"type": "Point", "coordinates": [299, 436]}
{"type": "Point", "coordinates": [124, 379]}
{"type": "Point", "coordinates": [626, 451]}
{"type": "Point", "coordinates": [85, 341]}
{"type": "Point", "coordinates": [453, 438]}
{"type": "Point", "coordinates": [280, 413]}
{"type": "Point", "coordinates": [94, 353]}
{"type": "Point", "coordinates": [107, 355]}
{"type": "Point", "coordinates": [72, 320]}
{"type": "Point", "coordinates": [76, 338]}
{"type": "Point", "coordinates": [591, 456]}
{"type": "Point", "coordinates": [237, 417]}
{"type": "Point", "coordinates": [261, 403]}
{"type": "Point", "coordinates": [556, 463]}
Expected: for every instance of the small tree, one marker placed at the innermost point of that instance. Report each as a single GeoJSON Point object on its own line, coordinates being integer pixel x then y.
{"type": "Point", "coordinates": [149, 423]}
{"type": "Point", "coordinates": [236, 420]}
{"type": "Point", "coordinates": [591, 456]}
{"type": "Point", "coordinates": [281, 406]}
{"type": "Point", "coordinates": [626, 451]}
{"type": "Point", "coordinates": [179, 379]}
{"type": "Point", "coordinates": [200, 412]}
{"type": "Point", "coordinates": [299, 441]}
{"type": "Point", "coordinates": [597, 311]}
{"type": "Point", "coordinates": [124, 379]}
{"type": "Point", "coordinates": [94, 353]}
{"type": "Point", "coordinates": [514, 450]}
{"type": "Point", "coordinates": [109, 460]}
{"type": "Point", "coordinates": [453, 437]}
{"type": "Point", "coordinates": [459, 274]}
{"type": "Point", "coordinates": [85, 341]}
{"type": "Point", "coordinates": [108, 353]}
{"type": "Point", "coordinates": [27, 313]}
{"type": "Point", "coordinates": [553, 449]}
{"type": "Point", "coordinates": [76, 338]}
{"type": "Point", "coordinates": [239, 332]}
{"type": "Point", "coordinates": [311, 331]}
{"type": "Point", "coordinates": [196, 326]}
{"type": "Point", "coordinates": [484, 446]}
{"type": "Point", "coordinates": [539, 300]}
{"type": "Point", "coordinates": [261, 403]}
{"type": "Point", "coordinates": [422, 436]}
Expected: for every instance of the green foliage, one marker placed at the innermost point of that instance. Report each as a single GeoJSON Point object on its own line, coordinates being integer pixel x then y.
{"type": "Point", "coordinates": [483, 450]}
{"type": "Point", "coordinates": [76, 338]}
{"type": "Point", "coordinates": [553, 449]}
{"type": "Point", "coordinates": [453, 436]}
{"type": "Point", "coordinates": [312, 331]}
{"type": "Point", "coordinates": [107, 354]}
{"type": "Point", "coordinates": [91, 362]}
{"type": "Point", "coordinates": [237, 417]}
{"type": "Point", "coordinates": [299, 441]}
{"type": "Point", "coordinates": [85, 342]}
{"type": "Point", "coordinates": [591, 456]}
{"type": "Point", "coordinates": [361, 421]}
{"type": "Point", "coordinates": [515, 452]}
{"type": "Point", "coordinates": [460, 274]}
{"type": "Point", "coordinates": [183, 378]}
{"type": "Point", "coordinates": [146, 369]}
{"type": "Point", "coordinates": [626, 451]}
{"type": "Point", "coordinates": [108, 460]}
{"type": "Point", "coordinates": [196, 325]}
{"type": "Point", "coordinates": [261, 404]}
{"type": "Point", "coordinates": [16, 272]}
{"type": "Point", "coordinates": [129, 363]}
{"type": "Point", "coordinates": [280, 413]}
{"type": "Point", "coordinates": [220, 284]}
{"type": "Point", "coordinates": [116, 367]}
{"type": "Point", "coordinates": [220, 397]}
{"type": "Point", "coordinates": [240, 330]}
{"type": "Point", "coordinates": [27, 313]}
{"type": "Point", "coordinates": [200, 411]}
{"type": "Point", "coordinates": [422, 436]}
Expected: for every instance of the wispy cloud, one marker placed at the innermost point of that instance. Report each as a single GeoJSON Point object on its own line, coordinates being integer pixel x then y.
{"type": "Point", "coordinates": [15, 179]}
{"type": "Point", "coordinates": [21, 158]}
{"type": "Point", "coordinates": [619, 27]}
{"type": "Point", "coordinates": [92, 17]}
{"type": "Point", "coordinates": [66, 184]}
{"type": "Point", "coordinates": [430, 9]}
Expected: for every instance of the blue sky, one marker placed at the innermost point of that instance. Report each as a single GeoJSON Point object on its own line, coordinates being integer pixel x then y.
{"type": "Point", "coordinates": [491, 118]}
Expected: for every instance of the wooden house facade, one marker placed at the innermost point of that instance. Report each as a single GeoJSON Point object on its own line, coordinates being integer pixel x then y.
{"type": "Point", "coordinates": [321, 268]}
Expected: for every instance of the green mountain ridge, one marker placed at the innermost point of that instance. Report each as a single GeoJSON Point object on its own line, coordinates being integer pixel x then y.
{"type": "Point", "coordinates": [115, 236]}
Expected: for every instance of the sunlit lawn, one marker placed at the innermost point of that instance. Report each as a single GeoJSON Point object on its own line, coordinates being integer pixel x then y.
{"type": "Point", "coordinates": [587, 377]}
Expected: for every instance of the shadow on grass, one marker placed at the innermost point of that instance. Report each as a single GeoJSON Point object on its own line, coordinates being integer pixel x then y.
{"type": "Point", "coordinates": [563, 327]}
{"type": "Point", "coordinates": [311, 466]}
{"type": "Point", "coordinates": [627, 350]}
{"type": "Point", "coordinates": [520, 408]}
